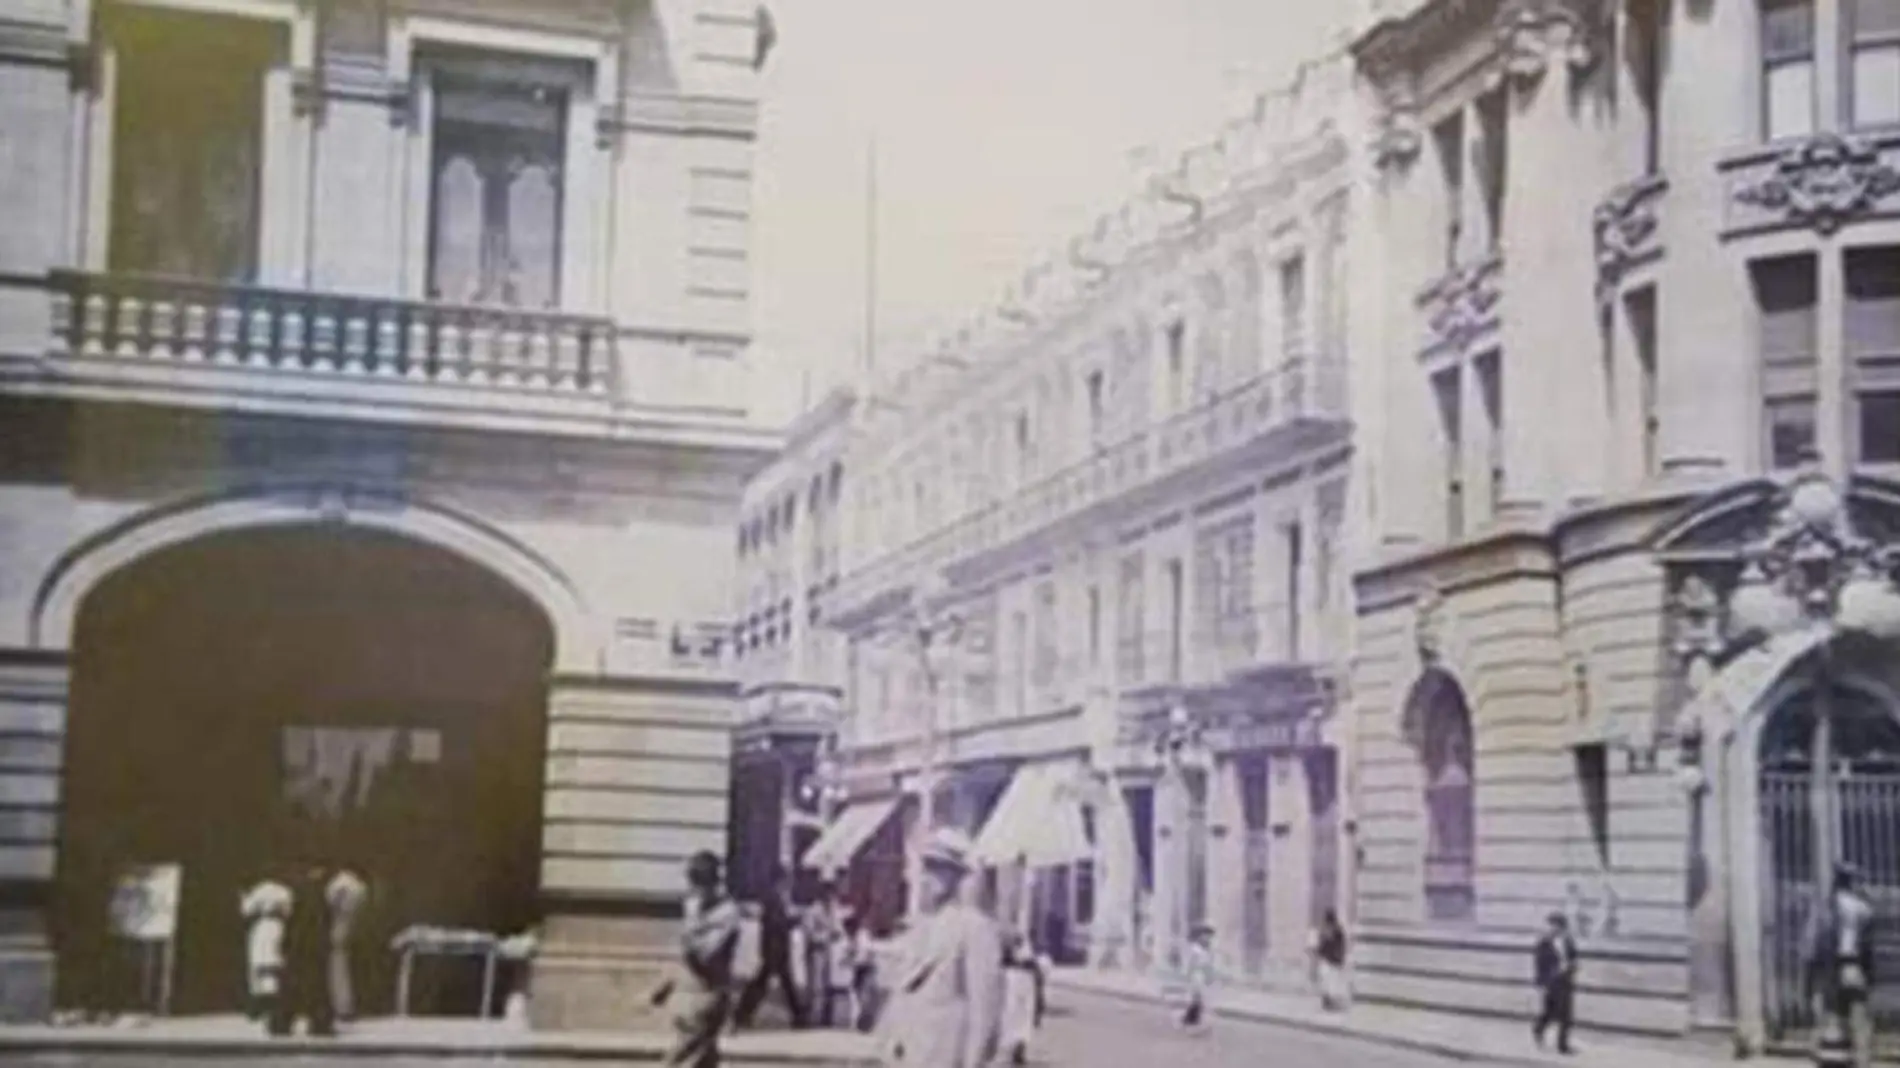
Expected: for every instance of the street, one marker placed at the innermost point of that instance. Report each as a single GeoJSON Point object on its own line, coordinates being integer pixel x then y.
{"type": "Point", "coordinates": [1082, 1030]}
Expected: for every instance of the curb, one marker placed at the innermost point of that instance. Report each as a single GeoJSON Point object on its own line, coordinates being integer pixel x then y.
{"type": "Point", "coordinates": [350, 1049]}
{"type": "Point", "coordinates": [1330, 1027]}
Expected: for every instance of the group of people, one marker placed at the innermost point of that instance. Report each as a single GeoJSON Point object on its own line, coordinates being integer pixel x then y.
{"type": "Point", "coordinates": [299, 934]}
{"type": "Point", "coordinates": [951, 1005]}
{"type": "Point", "coordinates": [837, 962]}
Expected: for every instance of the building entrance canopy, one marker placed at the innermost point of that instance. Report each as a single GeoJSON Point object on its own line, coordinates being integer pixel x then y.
{"type": "Point", "coordinates": [1038, 821]}
{"type": "Point", "coordinates": [840, 842]}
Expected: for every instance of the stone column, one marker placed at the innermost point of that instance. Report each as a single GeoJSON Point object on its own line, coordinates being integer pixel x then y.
{"type": "Point", "coordinates": [1113, 927]}
{"type": "Point", "coordinates": [636, 784]}
{"type": "Point", "coordinates": [1704, 306]}
{"type": "Point", "coordinates": [33, 694]}
{"type": "Point", "coordinates": [1226, 865]}
{"type": "Point", "coordinates": [1289, 863]}
{"type": "Point", "coordinates": [1407, 472]}
{"type": "Point", "coordinates": [1170, 866]}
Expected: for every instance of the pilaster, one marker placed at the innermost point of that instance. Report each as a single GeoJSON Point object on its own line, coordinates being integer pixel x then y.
{"type": "Point", "coordinates": [1226, 866]}
{"type": "Point", "coordinates": [636, 784]}
{"type": "Point", "coordinates": [33, 696]}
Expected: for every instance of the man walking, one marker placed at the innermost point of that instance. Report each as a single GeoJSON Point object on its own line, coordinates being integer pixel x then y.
{"type": "Point", "coordinates": [1555, 964]}
{"type": "Point", "coordinates": [1840, 972]}
{"type": "Point", "coordinates": [948, 990]}
{"type": "Point", "coordinates": [775, 956]}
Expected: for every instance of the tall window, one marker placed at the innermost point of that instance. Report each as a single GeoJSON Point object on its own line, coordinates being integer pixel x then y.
{"type": "Point", "coordinates": [1874, 28]}
{"type": "Point", "coordinates": [1293, 307]}
{"type": "Point", "coordinates": [1873, 351]}
{"type": "Point", "coordinates": [1025, 449]}
{"type": "Point", "coordinates": [500, 131]}
{"type": "Point", "coordinates": [1095, 626]}
{"type": "Point", "coordinates": [1295, 587]}
{"type": "Point", "coordinates": [1130, 612]}
{"type": "Point", "coordinates": [1177, 370]}
{"type": "Point", "coordinates": [1437, 706]}
{"type": "Point", "coordinates": [1095, 386]}
{"type": "Point", "coordinates": [187, 146]}
{"type": "Point", "coordinates": [1785, 295]}
{"type": "Point", "coordinates": [1640, 307]}
{"type": "Point", "coordinates": [1047, 652]}
{"type": "Point", "coordinates": [1489, 369]}
{"type": "Point", "coordinates": [1209, 577]}
{"type": "Point", "coordinates": [1019, 657]}
{"type": "Point", "coordinates": [1787, 65]}
{"type": "Point", "coordinates": [1447, 388]}
{"type": "Point", "coordinates": [1177, 603]}
{"type": "Point", "coordinates": [1646, 72]}
{"type": "Point", "coordinates": [1448, 137]}
{"type": "Point", "coordinates": [1493, 152]}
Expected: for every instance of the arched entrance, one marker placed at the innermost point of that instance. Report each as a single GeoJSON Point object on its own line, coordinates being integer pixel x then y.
{"type": "Point", "coordinates": [283, 694]}
{"type": "Point", "coordinates": [1437, 718]}
{"type": "Point", "coordinates": [1845, 722]}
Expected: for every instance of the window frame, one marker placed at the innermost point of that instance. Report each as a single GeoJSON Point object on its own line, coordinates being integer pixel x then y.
{"type": "Point", "coordinates": [1768, 63]}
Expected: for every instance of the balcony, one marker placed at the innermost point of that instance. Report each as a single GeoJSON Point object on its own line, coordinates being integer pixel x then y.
{"type": "Point", "coordinates": [137, 321]}
{"type": "Point", "coordinates": [1297, 409]}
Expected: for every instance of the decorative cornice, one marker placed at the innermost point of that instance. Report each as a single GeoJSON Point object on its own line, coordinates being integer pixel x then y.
{"type": "Point", "coordinates": [689, 116]}
{"type": "Point", "coordinates": [1462, 306]}
{"type": "Point", "coordinates": [312, 88]}
{"type": "Point", "coordinates": [1823, 182]}
{"type": "Point", "coordinates": [1626, 225]}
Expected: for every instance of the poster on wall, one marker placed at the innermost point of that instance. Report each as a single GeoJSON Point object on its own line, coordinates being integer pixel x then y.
{"type": "Point", "coordinates": [145, 902]}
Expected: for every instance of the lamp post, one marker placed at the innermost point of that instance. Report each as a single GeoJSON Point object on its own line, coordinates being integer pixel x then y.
{"type": "Point", "coordinates": [933, 628]}
{"type": "Point", "coordinates": [1813, 572]}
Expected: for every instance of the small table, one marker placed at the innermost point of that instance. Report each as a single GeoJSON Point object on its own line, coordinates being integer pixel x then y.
{"type": "Point", "coordinates": [440, 942]}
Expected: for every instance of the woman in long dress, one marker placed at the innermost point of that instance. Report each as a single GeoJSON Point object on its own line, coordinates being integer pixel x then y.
{"type": "Point", "coordinates": [700, 994]}
{"type": "Point", "coordinates": [1020, 980]}
{"type": "Point", "coordinates": [1329, 958]}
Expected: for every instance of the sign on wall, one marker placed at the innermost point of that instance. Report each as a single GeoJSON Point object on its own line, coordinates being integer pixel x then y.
{"type": "Point", "coordinates": [145, 902]}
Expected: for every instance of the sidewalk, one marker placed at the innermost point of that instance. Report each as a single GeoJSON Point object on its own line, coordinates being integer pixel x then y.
{"type": "Point", "coordinates": [1465, 1038]}
{"type": "Point", "coordinates": [233, 1036]}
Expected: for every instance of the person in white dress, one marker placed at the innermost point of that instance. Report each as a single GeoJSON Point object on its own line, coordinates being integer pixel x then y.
{"type": "Point", "coordinates": [265, 908]}
{"type": "Point", "coordinates": [948, 989]}
{"type": "Point", "coordinates": [345, 895]}
{"type": "Point", "coordinates": [1021, 972]}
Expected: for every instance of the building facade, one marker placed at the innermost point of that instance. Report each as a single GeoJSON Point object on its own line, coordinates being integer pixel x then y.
{"type": "Point", "coordinates": [1095, 591]}
{"type": "Point", "coordinates": [365, 369]}
{"type": "Point", "coordinates": [788, 662]}
{"type": "Point", "coordinates": [1637, 271]}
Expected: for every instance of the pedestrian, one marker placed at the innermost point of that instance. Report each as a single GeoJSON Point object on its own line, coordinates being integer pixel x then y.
{"type": "Point", "coordinates": [699, 994]}
{"type": "Point", "coordinates": [948, 987]}
{"type": "Point", "coordinates": [265, 908]}
{"type": "Point", "coordinates": [1021, 1008]}
{"type": "Point", "coordinates": [864, 975]}
{"type": "Point", "coordinates": [344, 895]}
{"type": "Point", "coordinates": [1329, 959]}
{"type": "Point", "coordinates": [776, 922]}
{"type": "Point", "coordinates": [823, 933]}
{"type": "Point", "coordinates": [1199, 973]}
{"type": "Point", "coordinates": [306, 988]}
{"type": "Point", "coordinates": [1554, 961]}
{"type": "Point", "coordinates": [1840, 972]}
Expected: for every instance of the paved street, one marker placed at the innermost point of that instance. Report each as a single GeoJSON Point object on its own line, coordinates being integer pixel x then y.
{"type": "Point", "coordinates": [1088, 1029]}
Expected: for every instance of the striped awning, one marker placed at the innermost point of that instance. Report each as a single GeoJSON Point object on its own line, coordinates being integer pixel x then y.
{"type": "Point", "coordinates": [839, 843]}
{"type": "Point", "coordinates": [1037, 822]}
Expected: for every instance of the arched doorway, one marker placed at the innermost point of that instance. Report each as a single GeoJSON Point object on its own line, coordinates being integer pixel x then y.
{"type": "Point", "coordinates": [1438, 718]}
{"type": "Point", "coordinates": [283, 695]}
{"type": "Point", "coordinates": [1857, 804]}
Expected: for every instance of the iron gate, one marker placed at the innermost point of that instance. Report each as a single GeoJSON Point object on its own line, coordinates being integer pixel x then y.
{"type": "Point", "coordinates": [1867, 801]}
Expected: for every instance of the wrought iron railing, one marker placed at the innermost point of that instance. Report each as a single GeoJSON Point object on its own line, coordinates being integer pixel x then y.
{"type": "Point", "coordinates": [172, 321]}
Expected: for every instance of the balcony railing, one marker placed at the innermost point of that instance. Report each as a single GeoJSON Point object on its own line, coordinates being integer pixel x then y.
{"type": "Point", "coordinates": [168, 321]}
{"type": "Point", "coordinates": [1257, 411]}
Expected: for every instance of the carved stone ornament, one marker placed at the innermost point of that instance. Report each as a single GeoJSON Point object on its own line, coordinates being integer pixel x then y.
{"type": "Point", "coordinates": [1624, 224]}
{"type": "Point", "coordinates": [1823, 182]}
{"type": "Point", "coordinates": [1461, 307]}
{"type": "Point", "coordinates": [1399, 136]}
{"type": "Point", "coordinates": [1531, 33]}
{"type": "Point", "coordinates": [1695, 612]}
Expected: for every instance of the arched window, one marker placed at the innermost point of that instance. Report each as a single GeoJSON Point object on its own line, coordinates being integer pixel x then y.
{"type": "Point", "coordinates": [1439, 719]}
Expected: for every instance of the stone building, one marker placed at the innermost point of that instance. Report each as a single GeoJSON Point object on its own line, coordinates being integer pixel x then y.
{"type": "Point", "coordinates": [788, 662]}
{"type": "Point", "coordinates": [1094, 584]}
{"type": "Point", "coordinates": [366, 369]}
{"type": "Point", "coordinates": [1638, 261]}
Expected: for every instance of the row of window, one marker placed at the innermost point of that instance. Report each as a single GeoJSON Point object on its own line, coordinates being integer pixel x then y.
{"type": "Point", "coordinates": [1866, 65]}
{"type": "Point", "coordinates": [781, 516]}
{"type": "Point", "coordinates": [1787, 294]}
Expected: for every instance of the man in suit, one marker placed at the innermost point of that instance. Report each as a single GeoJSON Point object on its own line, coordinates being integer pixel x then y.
{"type": "Point", "coordinates": [948, 992]}
{"type": "Point", "coordinates": [1555, 962]}
{"type": "Point", "coordinates": [776, 923]}
{"type": "Point", "coordinates": [1840, 971]}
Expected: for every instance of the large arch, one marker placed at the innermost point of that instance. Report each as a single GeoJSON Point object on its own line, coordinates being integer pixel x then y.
{"type": "Point", "coordinates": [578, 642]}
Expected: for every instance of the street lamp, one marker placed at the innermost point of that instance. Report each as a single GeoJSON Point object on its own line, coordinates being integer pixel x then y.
{"type": "Point", "coordinates": [1814, 572]}
{"type": "Point", "coordinates": [933, 627]}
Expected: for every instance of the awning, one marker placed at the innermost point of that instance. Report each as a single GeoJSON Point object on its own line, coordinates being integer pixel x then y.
{"type": "Point", "coordinates": [840, 842]}
{"type": "Point", "coordinates": [1037, 822]}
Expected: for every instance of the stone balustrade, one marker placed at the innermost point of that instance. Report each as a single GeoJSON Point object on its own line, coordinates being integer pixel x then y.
{"type": "Point", "coordinates": [177, 322]}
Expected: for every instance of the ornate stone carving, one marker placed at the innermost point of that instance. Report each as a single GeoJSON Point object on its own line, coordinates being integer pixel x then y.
{"type": "Point", "coordinates": [1531, 33]}
{"type": "Point", "coordinates": [1625, 225]}
{"type": "Point", "coordinates": [1398, 134]}
{"type": "Point", "coordinates": [1695, 613]}
{"type": "Point", "coordinates": [1823, 182]}
{"type": "Point", "coordinates": [1428, 625]}
{"type": "Point", "coordinates": [1462, 306]}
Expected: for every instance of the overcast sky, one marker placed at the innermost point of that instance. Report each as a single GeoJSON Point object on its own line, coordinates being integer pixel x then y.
{"type": "Point", "coordinates": [1003, 128]}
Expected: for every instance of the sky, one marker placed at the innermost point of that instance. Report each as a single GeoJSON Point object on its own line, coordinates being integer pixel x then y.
{"type": "Point", "coordinates": [1002, 129]}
